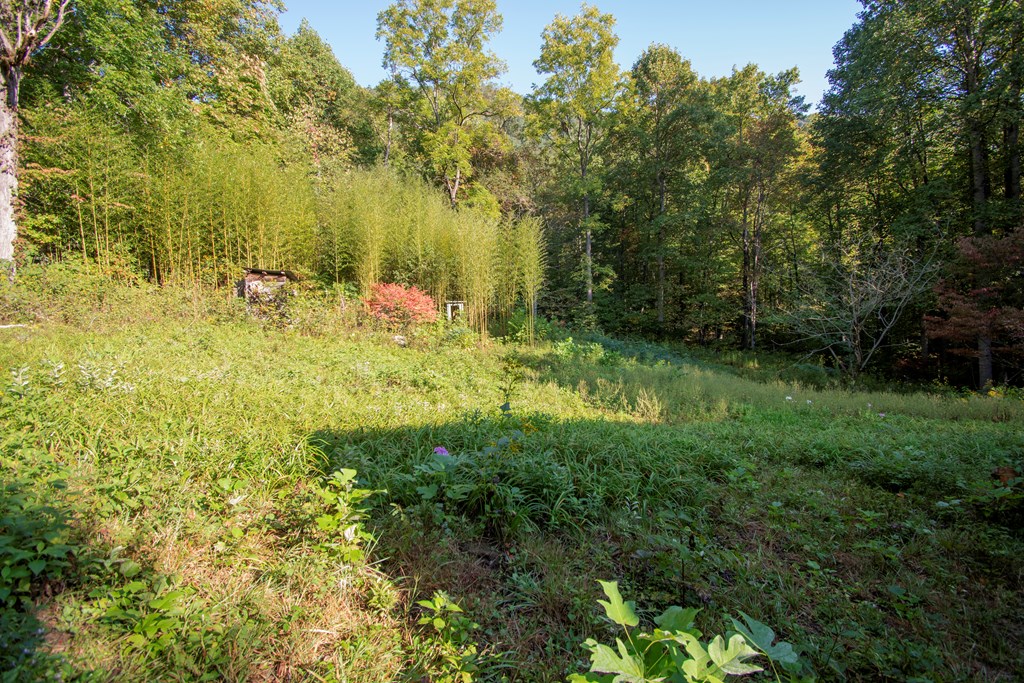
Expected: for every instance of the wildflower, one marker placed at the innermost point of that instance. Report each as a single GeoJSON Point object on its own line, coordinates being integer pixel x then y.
{"type": "Point", "coordinates": [809, 401]}
{"type": "Point", "coordinates": [881, 415]}
{"type": "Point", "coordinates": [441, 450]}
{"type": "Point", "coordinates": [789, 398]}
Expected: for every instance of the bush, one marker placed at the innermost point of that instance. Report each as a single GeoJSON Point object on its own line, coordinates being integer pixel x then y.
{"type": "Point", "coordinates": [399, 307]}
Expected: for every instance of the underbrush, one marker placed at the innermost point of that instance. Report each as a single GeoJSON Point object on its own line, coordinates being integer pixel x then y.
{"type": "Point", "coordinates": [208, 496]}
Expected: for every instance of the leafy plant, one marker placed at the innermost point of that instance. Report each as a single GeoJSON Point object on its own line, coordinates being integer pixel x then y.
{"type": "Point", "coordinates": [674, 651]}
{"type": "Point", "coordinates": [399, 307]}
{"type": "Point", "coordinates": [456, 652]}
{"type": "Point", "coordinates": [339, 526]}
{"type": "Point", "coordinates": [34, 544]}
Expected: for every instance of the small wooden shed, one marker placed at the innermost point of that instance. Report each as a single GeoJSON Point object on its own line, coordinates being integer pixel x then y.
{"type": "Point", "coordinates": [259, 281]}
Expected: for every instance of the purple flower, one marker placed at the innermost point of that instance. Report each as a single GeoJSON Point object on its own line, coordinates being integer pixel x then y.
{"type": "Point", "coordinates": [441, 450]}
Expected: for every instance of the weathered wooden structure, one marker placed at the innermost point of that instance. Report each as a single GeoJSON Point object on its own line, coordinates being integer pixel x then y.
{"type": "Point", "coordinates": [260, 282]}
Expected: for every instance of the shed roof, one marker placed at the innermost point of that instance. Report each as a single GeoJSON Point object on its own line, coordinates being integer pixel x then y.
{"type": "Point", "coordinates": [274, 273]}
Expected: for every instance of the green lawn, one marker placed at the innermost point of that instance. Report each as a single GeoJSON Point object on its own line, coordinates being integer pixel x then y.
{"type": "Point", "coordinates": [169, 511]}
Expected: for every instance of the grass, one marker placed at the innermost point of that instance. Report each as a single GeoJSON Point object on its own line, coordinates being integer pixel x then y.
{"type": "Point", "coordinates": [168, 462]}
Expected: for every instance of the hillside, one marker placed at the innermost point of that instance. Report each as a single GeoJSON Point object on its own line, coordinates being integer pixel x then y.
{"type": "Point", "coordinates": [178, 502]}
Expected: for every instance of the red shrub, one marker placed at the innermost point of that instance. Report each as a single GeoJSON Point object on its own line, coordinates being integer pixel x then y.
{"type": "Point", "coordinates": [398, 306]}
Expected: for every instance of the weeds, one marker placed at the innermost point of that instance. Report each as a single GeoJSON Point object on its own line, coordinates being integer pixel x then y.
{"type": "Point", "coordinates": [187, 494]}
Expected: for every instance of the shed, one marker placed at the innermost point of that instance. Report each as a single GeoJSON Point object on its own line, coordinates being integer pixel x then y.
{"type": "Point", "coordinates": [258, 281]}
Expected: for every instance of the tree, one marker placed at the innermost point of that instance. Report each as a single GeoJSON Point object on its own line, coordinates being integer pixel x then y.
{"type": "Point", "coordinates": [26, 26]}
{"type": "Point", "coordinates": [853, 302]}
{"type": "Point", "coordinates": [981, 301]}
{"type": "Point", "coordinates": [763, 116]}
{"type": "Point", "coordinates": [436, 51]}
{"type": "Point", "coordinates": [319, 97]}
{"type": "Point", "coordinates": [664, 123]}
{"type": "Point", "coordinates": [573, 107]}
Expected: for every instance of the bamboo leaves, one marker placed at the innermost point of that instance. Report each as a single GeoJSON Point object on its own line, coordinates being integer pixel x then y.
{"type": "Point", "coordinates": [380, 226]}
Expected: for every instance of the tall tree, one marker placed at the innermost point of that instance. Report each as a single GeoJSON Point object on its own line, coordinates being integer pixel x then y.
{"type": "Point", "coordinates": [665, 122]}
{"type": "Point", "coordinates": [436, 51]}
{"type": "Point", "coordinates": [26, 26]}
{"type": "Point", "coordinates": [763, 115]}
{"type": "Point", "coordinates": [320, 99]}
{"type": "Point", "coordinates": [982, 298]}
{"type": "Point", "coordinates": [573, 107]}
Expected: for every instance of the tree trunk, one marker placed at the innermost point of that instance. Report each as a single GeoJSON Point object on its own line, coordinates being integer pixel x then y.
{"type": "Point", "coordinates": [979, 177]}
{"type": "Point", "coordinates": [453, 187]}
{"type": "Point", "coordinates": [980, 189]}
{"type": "Point", "coordinates": [387, 144]}
{"type": "Point", "coordinates": [745, 342]}
{"type": "Point", "coordinates": [661, 252]}
{"type": "Point", "coordinates": [589, 249]}
{"type": "Point", "coordinates": [8, 163]}
{"type": "Point", "coordinates": [755, 270]}
{"type": "Point", "coordinates": [1011, 138]}
{"type": "Point", "coordinates": [984, 361]}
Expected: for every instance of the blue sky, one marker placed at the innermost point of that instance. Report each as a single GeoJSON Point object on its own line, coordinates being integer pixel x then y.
{"type": "Point", "coordinates": [714, 36]}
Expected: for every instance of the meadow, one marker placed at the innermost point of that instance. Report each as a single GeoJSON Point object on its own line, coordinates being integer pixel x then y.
{"type": "Point", "coordinates": [190, 493]}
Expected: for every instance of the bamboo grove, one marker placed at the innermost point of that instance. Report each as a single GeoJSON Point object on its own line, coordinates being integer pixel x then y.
{"type": "Point", "coordinates": [182, 141]}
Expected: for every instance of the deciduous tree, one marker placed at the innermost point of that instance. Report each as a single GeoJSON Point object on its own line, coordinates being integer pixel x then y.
{"type": "Point", "coordinates": [574, 105]}
{"type": "Point", "coordinates": [437, 53]}
{"type": "Point", "coordinates": [26, 26]}
{"type": "Point", "coordinates": [981, 301]}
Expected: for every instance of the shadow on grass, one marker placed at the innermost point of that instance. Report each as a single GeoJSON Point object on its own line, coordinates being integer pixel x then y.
{"type": "Point", "coordinates": [513, 516]}
{"type": "Point", "coordinates": [517, 514]}
{"type": "Point", "coordinates": [34, 566]}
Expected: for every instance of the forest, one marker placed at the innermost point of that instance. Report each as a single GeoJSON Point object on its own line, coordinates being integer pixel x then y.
{"type": "Point", "coordinates": [734, 393]}
{"type": "Point", "coordinates": [181, 142]}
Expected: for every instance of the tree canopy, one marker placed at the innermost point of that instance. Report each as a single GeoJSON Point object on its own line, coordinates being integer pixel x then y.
{"type": "Point", "coordinates": [182, 140]}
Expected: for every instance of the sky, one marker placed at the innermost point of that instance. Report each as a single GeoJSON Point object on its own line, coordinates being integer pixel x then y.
{"type": "Point", "coordinates": [715, 35]}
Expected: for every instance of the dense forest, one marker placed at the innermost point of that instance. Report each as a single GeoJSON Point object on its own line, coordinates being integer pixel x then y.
{"type": "Point", "coordinates": [180, 141]}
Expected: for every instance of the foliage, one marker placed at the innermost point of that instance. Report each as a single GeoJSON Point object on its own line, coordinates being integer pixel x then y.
{"type": "Point", "coordinates": [674, 651]}
{"type": "Point", "coordinates": [319, 98]}
{"type": "Point", "coordinates": [458, 656]}
{"type": "Point", "coordinates": [435, 50]}
{"type": "Point", "coordinates": [400, 307]}
{"type": "Point", "coordinates": [857, 299]}
{"type": "Point", "coordinates": [981, 301]}
{"type": "Point", "coordinates": [572, 107]}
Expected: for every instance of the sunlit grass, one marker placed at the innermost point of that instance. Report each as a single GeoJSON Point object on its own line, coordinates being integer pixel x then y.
{"type": "Point", "coordinates": [863, 525]}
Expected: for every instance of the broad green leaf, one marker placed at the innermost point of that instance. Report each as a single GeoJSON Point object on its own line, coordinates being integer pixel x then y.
{"type": "Point", "coordinates": [761, 637]}
{"type": "Point", "coordinates": [730, 658]}
{"type": "Point", "coordinates": [677, 619]}
{"type": "Point", "coordinates": [427, 492]}
{"type": "Point", "coordinates": [628, 668]}
{"type": "Point", "coordinates": [344, 476]}
{"type": "Point", "coordinates": [130, 568]}
{"type": "Point", "coordinates": [622, 613]}
{"type": "Point", "coordinates": [37, 566]}
{"type": "Point", "coordinates": [693, 648]}
{"type": "Point", "coordinates": [697, 670]}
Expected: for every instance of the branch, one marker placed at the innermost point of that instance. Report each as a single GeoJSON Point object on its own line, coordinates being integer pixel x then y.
{"type": "Point", "coordinates": [57, 22]}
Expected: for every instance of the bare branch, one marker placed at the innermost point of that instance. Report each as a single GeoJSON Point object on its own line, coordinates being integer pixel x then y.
{"type": "Point", "coordinates": [57, 22]}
